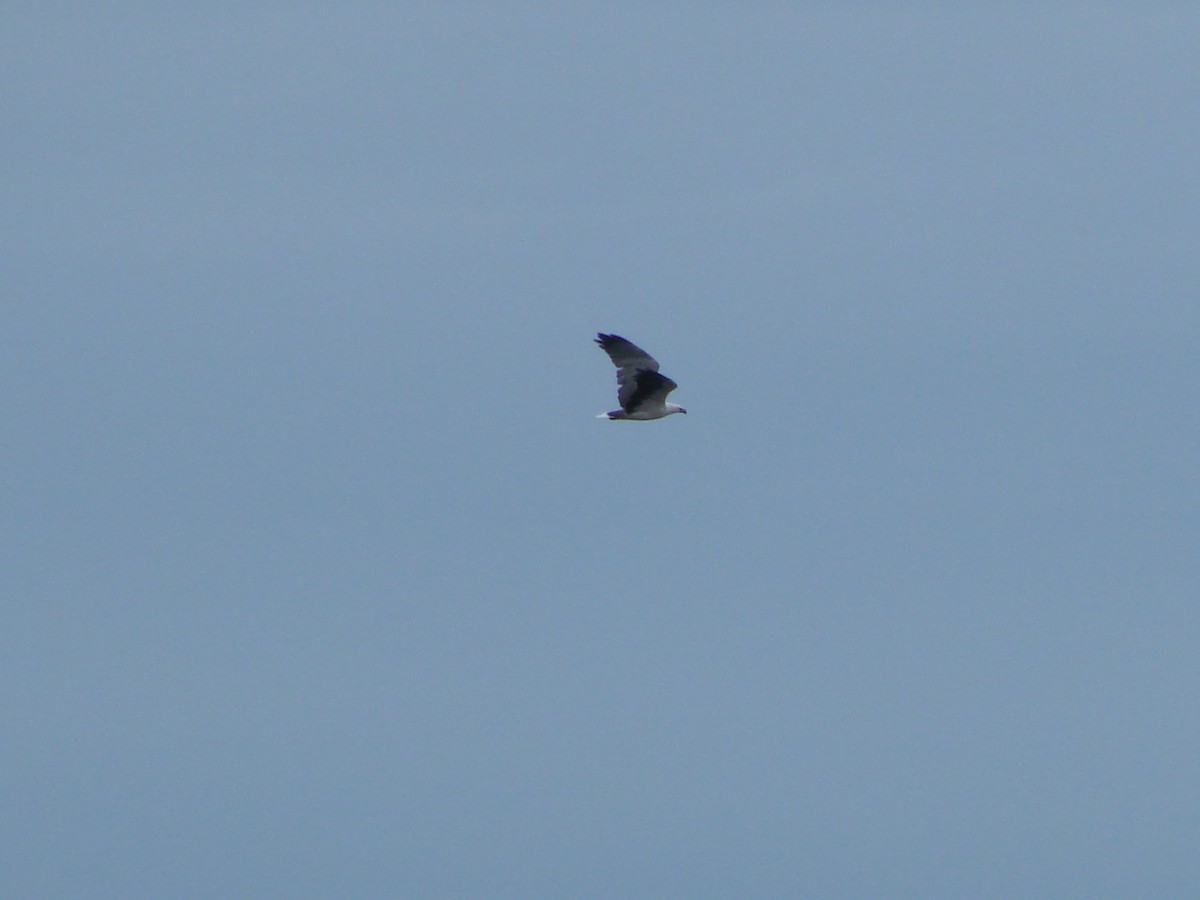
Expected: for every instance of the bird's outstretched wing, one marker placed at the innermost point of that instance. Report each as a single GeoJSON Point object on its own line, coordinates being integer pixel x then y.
{"type": "Point", "coordinates": [633, 363]}
{"type": "Point", "coordinates": [650, 388]}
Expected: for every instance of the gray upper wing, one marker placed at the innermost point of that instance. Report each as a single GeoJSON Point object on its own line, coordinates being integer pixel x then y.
{"type": "Point", "coordinates": [626, 354]}
{"type": "Point", "coordinates": [629, 359]}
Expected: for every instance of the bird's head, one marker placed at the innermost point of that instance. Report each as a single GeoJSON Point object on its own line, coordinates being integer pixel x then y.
{"type": "Point", "coordinates": [671, 407]}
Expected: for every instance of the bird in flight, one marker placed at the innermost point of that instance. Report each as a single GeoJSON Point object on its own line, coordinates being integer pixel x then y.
{"type": "Point", "coordinates": [641, 390]}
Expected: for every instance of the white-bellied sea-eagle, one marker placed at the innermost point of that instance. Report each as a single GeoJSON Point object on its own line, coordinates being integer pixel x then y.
{"type": "Point", "coordinates": [641, 390]}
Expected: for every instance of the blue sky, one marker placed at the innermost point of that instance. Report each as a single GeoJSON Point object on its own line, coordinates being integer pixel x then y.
{"type": "Point", "coordinates": [322, 579]}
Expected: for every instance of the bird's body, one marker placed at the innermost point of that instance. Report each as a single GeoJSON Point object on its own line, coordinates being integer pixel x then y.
{"type": "Point", "coordinates": [641, 389]}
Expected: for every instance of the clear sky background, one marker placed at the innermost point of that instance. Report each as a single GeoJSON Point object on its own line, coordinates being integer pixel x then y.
{"type": "Point", "coordinates": [320, 578]}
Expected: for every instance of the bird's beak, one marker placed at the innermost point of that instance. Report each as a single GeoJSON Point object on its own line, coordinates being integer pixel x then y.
{"type": "Point", "coordinates": [684, 411]}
